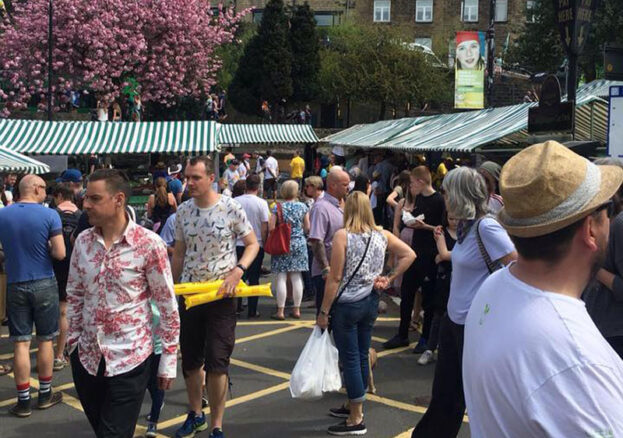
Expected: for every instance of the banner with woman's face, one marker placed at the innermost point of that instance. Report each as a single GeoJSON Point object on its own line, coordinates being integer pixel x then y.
{"type": "Point", "coordinates": [469, 73]}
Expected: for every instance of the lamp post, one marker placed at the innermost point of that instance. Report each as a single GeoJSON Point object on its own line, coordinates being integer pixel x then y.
{"type": "Point", "coordinates": [50, 98]}
{"type": "Point", "coordinates": [490, 52]}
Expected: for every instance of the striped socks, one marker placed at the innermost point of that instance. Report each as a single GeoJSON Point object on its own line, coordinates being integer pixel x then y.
{"type": "Point", "coordinates": [23, 392]}
{"type": "Point", "coordinates": [45, 385]}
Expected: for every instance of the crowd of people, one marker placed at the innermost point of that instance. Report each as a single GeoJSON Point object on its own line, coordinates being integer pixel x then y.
{"type": "Point", "coordinates": [491, 265]}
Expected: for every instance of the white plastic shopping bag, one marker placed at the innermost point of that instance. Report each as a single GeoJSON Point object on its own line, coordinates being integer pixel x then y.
{"type": "Point", "coordinates": [316, 369]}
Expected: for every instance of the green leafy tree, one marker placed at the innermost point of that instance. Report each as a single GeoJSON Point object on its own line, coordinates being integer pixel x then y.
{"type": "Point", "coordinates": [374, 64]}
{"type": "Point", "coordinates": [304, 43]}
{"type": "Point", "coordinates": [264, 71]}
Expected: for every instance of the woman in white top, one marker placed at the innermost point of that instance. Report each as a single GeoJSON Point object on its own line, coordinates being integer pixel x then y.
{"type": "Point", "coordinates": [482, 246]}
{"type": "Point", "coordinates": [356, 267]}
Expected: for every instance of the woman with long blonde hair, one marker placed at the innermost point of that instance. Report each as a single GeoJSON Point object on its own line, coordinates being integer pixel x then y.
{"type": "Point", "coordinates": [357, 260]}
{"type": "Point", "coordinates": [161, 205]}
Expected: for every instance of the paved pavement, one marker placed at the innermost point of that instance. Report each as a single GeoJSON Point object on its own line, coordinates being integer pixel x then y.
{"type": "Point", "coordinates": [260, 404]}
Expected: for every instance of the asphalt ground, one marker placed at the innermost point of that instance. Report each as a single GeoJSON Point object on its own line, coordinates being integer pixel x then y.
{"type": "Point", "coordinates": [260, 404]}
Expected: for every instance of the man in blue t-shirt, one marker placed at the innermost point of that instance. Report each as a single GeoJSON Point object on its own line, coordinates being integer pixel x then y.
{"type": "Point", "coordinates": [31, 235]}
{"type": "Point", "coordinates": [174, 185]}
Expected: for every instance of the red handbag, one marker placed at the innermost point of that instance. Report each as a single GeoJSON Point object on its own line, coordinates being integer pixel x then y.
{"type": "Point", "coordinates": [278, 240]}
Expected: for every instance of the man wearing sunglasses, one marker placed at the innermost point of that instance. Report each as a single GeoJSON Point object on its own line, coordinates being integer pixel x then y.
{"type": "Point", "coordinates": [31, 236]}
{"type": "Point", "coordinates": [534, 363]}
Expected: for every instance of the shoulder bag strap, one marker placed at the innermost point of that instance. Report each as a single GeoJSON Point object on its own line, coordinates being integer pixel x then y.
{"type": "Point", "coordinates": [279, 213]}
{"type": "Point", "coordinates": [491, 265]}
{"type": "Point", "coordinates": [365, 252]}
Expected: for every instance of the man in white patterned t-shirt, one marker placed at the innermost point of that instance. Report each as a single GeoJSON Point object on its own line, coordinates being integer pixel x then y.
{"type": "Point", "coordinates": [207, 227]}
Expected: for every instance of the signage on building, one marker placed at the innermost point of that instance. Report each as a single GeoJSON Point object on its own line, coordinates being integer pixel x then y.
{"type": "Point", "coordinates": [615, 122]}
{"type": "Point", "coordinates": [551, 115]}
{"type": "Point", "coordinates": [574, 22]}
{"type": "Point", "coordinates": [613, 62]}
{"type": "Point", "coordinates": [469, 70]}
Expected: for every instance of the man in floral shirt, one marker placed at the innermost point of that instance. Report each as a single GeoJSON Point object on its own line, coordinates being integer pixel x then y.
{"type": "Point", "coordinates": [207, 228]}
{"type": "Point", "coordinates": [117, 268]}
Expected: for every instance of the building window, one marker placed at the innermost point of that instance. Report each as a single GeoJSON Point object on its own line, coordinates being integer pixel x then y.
{"type": "Point", "coordinates": [381, 11]}
{"type": "Point", "coordinates": [325, 19]}
{"type": "Point", "coordinates": [425, 41]}
{"type": "Point", "coordinates": [501, 10]}
{"type": "Point", "coordinates": [469, 11]}
{"type": "Point", "coordinates": [531, 11]}
{"type": "Point", "coordinates": [424, 11]}
{"type": "Point", "coordinates": [257, 15]}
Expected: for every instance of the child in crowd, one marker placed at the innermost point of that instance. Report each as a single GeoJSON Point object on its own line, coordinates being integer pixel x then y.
{"type": "Point", "coordinates": [445, 238]}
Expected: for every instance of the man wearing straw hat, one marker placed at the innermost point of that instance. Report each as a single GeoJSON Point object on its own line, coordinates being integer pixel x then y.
{"type": "Point", "coordinates": [534, 363]}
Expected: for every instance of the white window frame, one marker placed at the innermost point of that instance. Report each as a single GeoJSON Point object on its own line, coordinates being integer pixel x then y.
{"type": "Point", "coordinates": [382, 11]}
{"type": "Point", "coordinates": [501, 11]}
{"type": "Point", "coordinates": [530, 5]}
{"type": "Point", "coordinates": [469, 11]}
{"type": "Point", "coordinates": [423, 11]}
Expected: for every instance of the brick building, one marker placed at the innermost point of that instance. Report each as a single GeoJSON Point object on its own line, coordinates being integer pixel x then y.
{"type": "Point", "coordinates": [433, 23]}
{"type": "Point", "coordinates": [327, 12]}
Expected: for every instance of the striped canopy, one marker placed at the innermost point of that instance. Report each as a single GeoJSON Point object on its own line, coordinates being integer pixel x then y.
{"type": "Point", "coordinates": [468, 131]}
{"type": "Point", "coordinates": [42, 137]}
{"type": "Point", "coordinates": [266, 134]}
{"type": "Point", "coordinates": [11, 161]}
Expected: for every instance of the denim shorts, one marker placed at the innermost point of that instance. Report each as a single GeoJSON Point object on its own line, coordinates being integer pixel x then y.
{"type": "Point", "coordinates": [33, 301]}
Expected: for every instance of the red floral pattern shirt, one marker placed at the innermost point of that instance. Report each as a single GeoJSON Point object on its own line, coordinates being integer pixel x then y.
{"type": "Point", "coordinates": [108, 301]}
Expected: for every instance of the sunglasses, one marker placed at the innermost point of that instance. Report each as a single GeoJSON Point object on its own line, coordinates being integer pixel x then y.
{"type": "Point", "coordinates": [608, 206]}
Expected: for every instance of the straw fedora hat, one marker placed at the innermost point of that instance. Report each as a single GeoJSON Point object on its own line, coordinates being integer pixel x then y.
{"type": "Point", "coordinates": [547, 187]}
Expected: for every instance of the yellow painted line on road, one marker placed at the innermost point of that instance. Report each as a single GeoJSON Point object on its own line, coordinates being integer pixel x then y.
{"type": "Point", "coordinates": [269, 333]}
{"type": "Point", "coordinates": [72, 401]}
{"type": "Point", "coordinates": [377, 339]}
{"type": "Point", "coordinates": [406, 434]}
{"type": "Point", "coordinates": [402, 405]}
{"type": "Point", "coordinates": [236, 401]}
{"type": "Point", "coordinates": [285, 322]}
{"type": "Point", "coordinates": [260, 369]}
{"type": "Point", "coordinates": [396, 350]}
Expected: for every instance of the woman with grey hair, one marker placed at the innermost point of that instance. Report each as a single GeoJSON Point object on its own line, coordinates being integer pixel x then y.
{"type": "Point", "coordinates": [482, 247]}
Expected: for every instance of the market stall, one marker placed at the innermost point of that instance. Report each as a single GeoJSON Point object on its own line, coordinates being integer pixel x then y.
{"type": "Point", "coordinates": [11, 161]}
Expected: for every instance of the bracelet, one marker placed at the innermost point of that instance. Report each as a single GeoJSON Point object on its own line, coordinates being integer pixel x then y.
{"type": "Point", "coordinates": [242, 268]}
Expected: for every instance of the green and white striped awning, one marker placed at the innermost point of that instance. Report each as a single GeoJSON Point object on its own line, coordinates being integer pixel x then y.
{"type": "Point", "coordinates": [468, 131]}
{"type": "Point", "coordinates": [11, 161]}
{"type": "Point", "coordinates": [265, 134]}
{"type": "Point", "coordinates": [65, 138]}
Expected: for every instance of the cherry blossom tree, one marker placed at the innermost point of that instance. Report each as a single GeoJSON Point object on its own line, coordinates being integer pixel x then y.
{"type": "Point", "coordinates": [168, 47]}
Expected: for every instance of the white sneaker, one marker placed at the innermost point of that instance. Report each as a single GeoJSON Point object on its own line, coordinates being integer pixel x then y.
{"type": "Point", "coordinates": [426, 358]}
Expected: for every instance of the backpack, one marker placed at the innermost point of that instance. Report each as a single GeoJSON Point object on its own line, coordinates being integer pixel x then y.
{"type": "Point", "coordinates": [69, 221]}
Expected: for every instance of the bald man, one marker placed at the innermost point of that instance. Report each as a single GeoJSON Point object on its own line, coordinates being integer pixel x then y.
{"type": "Point", "coordinates": [31, 236]}
{"type": "Point", "coordinates": [326, 217]}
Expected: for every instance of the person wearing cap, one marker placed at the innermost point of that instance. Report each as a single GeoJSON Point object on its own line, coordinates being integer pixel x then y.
{"type": "Point", "coordinates": [482, 246]}
{"type": "Point", "coordinates": [72, 178]}
{"type": "Point", "coordinates": [244, 169]}
{"type": "Point", "coordinates": [534, 363]}
{"type": "Point", "coordinates": [468, 52]}
{"type": "Point", "coordinates": [174, 185]}
{"type": "Point", "coordinates": [491, 173]}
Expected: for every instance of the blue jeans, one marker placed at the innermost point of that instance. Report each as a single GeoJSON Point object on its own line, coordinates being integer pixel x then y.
{"type": "Point", "coordinates": [352, 330]}
{"type": "Point", "coordinates": [156, 394]}
{"type": "Point", "coordinates": [33, 301]}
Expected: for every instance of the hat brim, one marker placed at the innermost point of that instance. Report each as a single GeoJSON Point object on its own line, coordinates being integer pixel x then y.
{"type": "Point", "coordinates": [611, 180]}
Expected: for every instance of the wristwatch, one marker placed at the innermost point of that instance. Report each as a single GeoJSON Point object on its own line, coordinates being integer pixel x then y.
{"type": "Point", "coordinates": [244, 270]}
{"type": "Point", "coordinates": [324, 312]}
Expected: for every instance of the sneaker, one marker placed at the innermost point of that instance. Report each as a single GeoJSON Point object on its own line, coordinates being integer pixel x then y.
{"type": "Point", "coordinates": [341, 412]}
{"type": "Point", "coordinates": [420, 347]}
{"type": "Point", "coordinates": [204, 402]}
{"type": "Point", "coordinates": [426, 358]}
{"type": "Point", "coordinates": [21, 409]}
{"type": "Point", "coordinates": [396, 342]}
{"type": "Point", "coordinates": [152, 430]}
{"type": "Point", "coordinates": [217, 433]}
{"type": "Point", "coordinates": [49, 400]}
{"type": "Point", "coordinates": [192, 425]}
{"type": "Point", "coordinates": [343, 429]}
{"type": "Point", "coordinates": [59, 364]}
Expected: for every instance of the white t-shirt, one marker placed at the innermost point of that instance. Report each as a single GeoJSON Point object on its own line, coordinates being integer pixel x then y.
{"type": "Point", "coordinates": [256, 209]}
{"type": "Point", "coordinates": [271, 163]}
{"type": "Point", "coordinates": [210, 237]}
{"type": "Point", "coordinates": [535, 365]}
{"type": "Point", "coordinates": [469, 269]}
{"type": "Point", "coordinates": [232, 177]}
{"type": "Point", "coordinates": [242, 171]}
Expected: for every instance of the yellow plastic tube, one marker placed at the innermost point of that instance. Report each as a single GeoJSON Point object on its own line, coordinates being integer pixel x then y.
{"type": "Point", "coordinates": [199, 288]}
{"type": "Point", "coordinates": [262, 290]}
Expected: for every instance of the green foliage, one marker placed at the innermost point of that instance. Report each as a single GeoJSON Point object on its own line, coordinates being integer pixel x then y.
{"type": "Point", "coordinates": [373, 64]}
{"type": "Point", "coordinates": [304, 43]}
{"type": "Point", "coordinates": [231, 54]}
{"type": "Point", "coordinates": [538, 48]}
{"type": "Point", "coordinates": [265, 67]}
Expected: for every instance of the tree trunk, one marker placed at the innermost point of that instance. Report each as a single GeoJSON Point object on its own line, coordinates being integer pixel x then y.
{"type": "Point", "coordinates": [382, 110]}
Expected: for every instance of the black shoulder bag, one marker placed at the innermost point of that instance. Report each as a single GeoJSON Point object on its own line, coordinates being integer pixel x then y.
{"type": "Point", "coordinates": [492, 265]}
